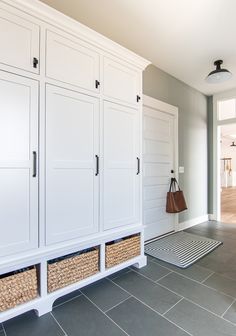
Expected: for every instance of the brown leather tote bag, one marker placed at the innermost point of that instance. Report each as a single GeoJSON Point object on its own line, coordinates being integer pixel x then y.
{"type": "Point", "coordinates": [175, 201]}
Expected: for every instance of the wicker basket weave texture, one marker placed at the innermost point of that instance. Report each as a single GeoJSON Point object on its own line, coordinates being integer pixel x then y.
{"type": "Point", "coordinates": [18, 288]}
{"type": "Point", "coordinates": [71, 270]}
{"type": "Point", "coordinates": [122, 251]}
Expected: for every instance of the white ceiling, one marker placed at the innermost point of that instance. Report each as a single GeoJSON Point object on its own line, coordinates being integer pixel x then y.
{"type": "Point", "coordinates": [181, 37]}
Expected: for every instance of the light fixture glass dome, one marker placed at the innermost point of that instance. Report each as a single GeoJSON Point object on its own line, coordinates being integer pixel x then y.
{"type": "Point", "coordinates": [218, 75]}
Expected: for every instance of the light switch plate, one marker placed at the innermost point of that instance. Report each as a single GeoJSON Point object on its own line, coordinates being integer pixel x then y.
{"type": "Point", "coordinates": [181, 170]}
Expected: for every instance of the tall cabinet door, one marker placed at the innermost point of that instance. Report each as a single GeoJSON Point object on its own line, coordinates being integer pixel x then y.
{"type": "Point", "coordinates": [121, 178]}
{"type": "Point", "coordinates": [18, 165]}
{"type": "Point", "coordinates": [72, 147]}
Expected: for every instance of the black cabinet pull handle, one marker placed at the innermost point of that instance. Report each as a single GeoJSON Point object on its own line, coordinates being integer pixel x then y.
{"type": "Point", "coordinates": [35, 62]}
{"type": "Point", "coordinates": [97, 83]}
{"type": "Point", "coordinates": [138, 166]}
{"type": "Point", "coordinates": [97, 165]}
{"type": "Point", "coordinates": [34, 164]}
{"type": "Point", "coordinates": [138, 98]}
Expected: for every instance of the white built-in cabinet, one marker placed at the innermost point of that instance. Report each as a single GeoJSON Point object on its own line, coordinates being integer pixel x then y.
{"type": "Point", "coordinates": [18, 164]}
{"type": "Point", "coordinates": [72, 61]}
{"type": "Point", "coordinates": [72, 154]}
{"type": "Point", "coordinates": [19, 40]}
{"type": "Point", "coordinates": [121, 173]}
{"type": "Point", "coordinates": [121, 81]}
{"type": "Point", "coordinates": [70, 144]}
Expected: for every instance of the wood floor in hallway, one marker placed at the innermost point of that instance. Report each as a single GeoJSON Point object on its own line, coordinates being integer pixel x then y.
{"type": "Point", "coordinates": [228, 205]}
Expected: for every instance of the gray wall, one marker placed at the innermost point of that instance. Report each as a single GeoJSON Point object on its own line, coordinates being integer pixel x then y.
{"type": "Point", "coordinates": [210, 153]}
{"type": "Point", "coordinates": [193, 143]}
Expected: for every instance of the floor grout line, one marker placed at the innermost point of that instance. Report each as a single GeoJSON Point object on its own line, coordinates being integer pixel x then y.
{"type": "Point", "coordinates": [4, 330]}
{"type": "Point", "coordinates": [157, 282]}
{"type": "Point", "coordinates": [105, 314]}
{"type": "Point", "coordinates": [106, 311]}
{"type": "Point", "coordinates": [197, 304]}
{"type": "Point", "coordinates": [118, 276]}
{"type": "Point", "coordinates": [179, 273]}
{"type": "Point", "coordinates": [219, 316]}
{"type": "Point", "coordinates": [207, 277]}
{"type": "Point", "coordinates": [145, 276]}
{"type": "Point", "coordinates": [145, 304]}
{"type": "Point", "coordinates": [57, 322]}
{"type": "Point", "coordinates": [228, 308]}
{"type": "Point", "coordinates": [73, 298]}
{"type": "Point", "coordinates": [214, 289]}
{"type": "Point", "coordinates": [182, 295]}
{"type": "Point", "coordinates": [173, 306]}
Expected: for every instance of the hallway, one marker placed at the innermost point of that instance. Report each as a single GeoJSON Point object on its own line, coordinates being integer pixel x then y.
{"type": "Point", "coordinates": [228, 205]}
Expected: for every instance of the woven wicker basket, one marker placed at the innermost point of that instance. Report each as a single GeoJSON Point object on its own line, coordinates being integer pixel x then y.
{"type": "Point", "coordinates": [18, 288]}
{"type": "Point", "coordinates": [126, 249]}
{"type": "Point", "coordinates": [71, 270]}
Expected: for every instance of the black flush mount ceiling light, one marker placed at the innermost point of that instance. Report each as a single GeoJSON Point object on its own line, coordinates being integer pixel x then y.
{"type": "Point", "coordinates": [219, 75]}
{"type": "Point", "coordinates": [233, 144]}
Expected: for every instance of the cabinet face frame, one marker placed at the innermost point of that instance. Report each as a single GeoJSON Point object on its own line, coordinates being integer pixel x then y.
{"type": "Point", "coordinates": [25, 164]}
{"type": "Point", "coordinates": [14, 19]}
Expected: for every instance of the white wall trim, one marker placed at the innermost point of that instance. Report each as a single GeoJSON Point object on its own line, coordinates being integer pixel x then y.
{"type": "Point", "coordinates": [160, 105]}
{"type": "Point", "coordinates": [216, 149]}
{"type": "Point", "coordinates": [212, 217]}
{"type": "Point", "coordinates": [192, 222]}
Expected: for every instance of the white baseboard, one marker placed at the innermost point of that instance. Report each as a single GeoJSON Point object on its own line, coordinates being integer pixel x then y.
{"type": "Point", "coordinates": [212, 217]}
{"type": "Point", "coordinates": [192, 222]}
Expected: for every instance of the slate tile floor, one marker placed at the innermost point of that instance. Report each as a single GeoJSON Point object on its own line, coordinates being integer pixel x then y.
{"type": "Point", "coordinates": [158, 300]}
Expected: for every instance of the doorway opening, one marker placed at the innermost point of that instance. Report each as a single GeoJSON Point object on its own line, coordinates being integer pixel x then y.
{"type": "Point", "coordinates": [224, 157]}
{"type": "Point", "coordinates": [228, 173]}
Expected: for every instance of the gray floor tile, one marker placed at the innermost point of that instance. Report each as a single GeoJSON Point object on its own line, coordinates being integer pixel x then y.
{"type": "Point", "coordinates": [153, 271]}
{"type": "Point", "coordinates": [29, 324]}
{"type": "Point", "coordinates": [219, 255]}
{"type": "Point", "coordinates": [199, 322]}
{"type": "Point", "coordinates": [205, 297]}
{"type": "Point", "coordinates": [66, 298]}
{"type": "Point", "coordinates": [158, 298]}
{"type": "Point", "coordinates": [138, 320]}
{"type": "Point", "coordinates": [222, 284]}
{"type": "Point", "coordinates": [231, 274]}
{"type": "Point", "coordinates": [119, 273]}
{"type": "Point", "coordinates": [81, 317]}
{"type": "Point", "coordinates": [194, 272]}
{"type": "Point", "coordinates": [211, 264]}
{"type": "Point", "coordinates": [149, 258]}
{"type": "Point", "coordinates": [105, 294]}
{"type": "Point", "coordinates": [231, 314]}
{"type": "Point", "coordinates": [219, 265]}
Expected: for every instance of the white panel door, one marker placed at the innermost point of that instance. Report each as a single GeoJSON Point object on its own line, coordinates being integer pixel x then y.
{"type": "Point", "coordinates": [19, 40]}
{"type": "Point", "coordinates": [18, 166]}
{"type": "Point", "coordinates": [158, 161]}
{"type": "Point", "coordinates": [121, 81]}
{"type": "Point", "coordinates": [72, 61]}
{"type": "Point", "coordinates": [121, 175]}
{"type": "Point", "coordinates": [72, 182]}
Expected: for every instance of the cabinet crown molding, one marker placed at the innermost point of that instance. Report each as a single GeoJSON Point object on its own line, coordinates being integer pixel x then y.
{"type": "Point", "coordinates": [52, 16]}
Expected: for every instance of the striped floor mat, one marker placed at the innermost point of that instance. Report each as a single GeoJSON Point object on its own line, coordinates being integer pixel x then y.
{"type": "Point", "coordinates": [181, 249]}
